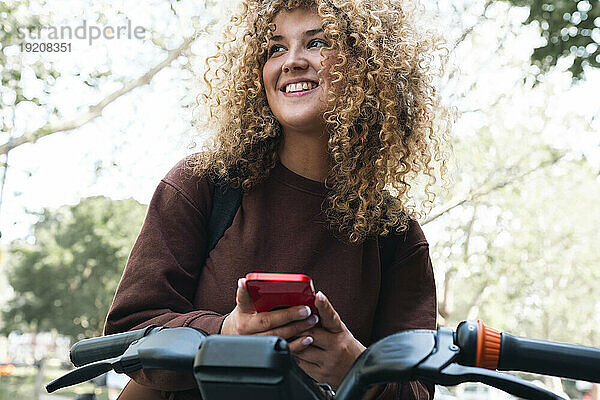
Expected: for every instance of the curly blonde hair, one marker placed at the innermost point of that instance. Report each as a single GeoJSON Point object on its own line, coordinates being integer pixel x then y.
{"type": "Point", "coordinates": [383, 131]}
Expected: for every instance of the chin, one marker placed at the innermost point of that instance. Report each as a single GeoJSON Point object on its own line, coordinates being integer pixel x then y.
{"type": "Point", "coordinates": [305, 119]}
{"type": "Point", "coordinates": [305, 124]}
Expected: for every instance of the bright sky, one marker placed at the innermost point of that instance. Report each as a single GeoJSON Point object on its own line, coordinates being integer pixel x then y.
{"type": "Point", "coordinates": [140, 136]}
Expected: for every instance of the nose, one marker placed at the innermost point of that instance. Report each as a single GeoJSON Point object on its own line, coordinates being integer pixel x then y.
{"type": "Point", "coordinates": [296, 60]}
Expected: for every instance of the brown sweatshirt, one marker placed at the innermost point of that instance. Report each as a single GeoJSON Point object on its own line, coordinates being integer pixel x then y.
{"type": "Point", "coordinates": [279, 227]}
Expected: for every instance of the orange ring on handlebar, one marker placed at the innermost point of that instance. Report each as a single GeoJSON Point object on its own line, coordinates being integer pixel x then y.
{"type": "Point", "coordinates": [488, 346]}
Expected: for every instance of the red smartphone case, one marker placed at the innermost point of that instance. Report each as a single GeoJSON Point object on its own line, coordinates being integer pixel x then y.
{"type": "Point", "coordinates": [273, 291]}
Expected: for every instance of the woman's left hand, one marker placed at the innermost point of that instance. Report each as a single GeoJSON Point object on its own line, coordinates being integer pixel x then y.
{"type": "Point", "coordinates": [333, 349]}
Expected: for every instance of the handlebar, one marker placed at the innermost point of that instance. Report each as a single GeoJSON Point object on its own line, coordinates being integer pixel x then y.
{"type": "Point", "coordinates": [428, 356]}
{"type": "Point", "coordinates": [95, 349]}
{"type": "Point", "coordinates": [162, 348]}
{"type": "Point", "coordinates": [565, 360]}
{"type": "Point", "coordinates": [487, 348]}
{"type": "Point", "coordinates": [228, 367]}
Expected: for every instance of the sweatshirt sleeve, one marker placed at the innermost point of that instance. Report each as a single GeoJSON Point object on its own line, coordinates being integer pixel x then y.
{"type": "Point", "coordinates": [160, 278]}
{"type": "Point", "coordinates": [407, 301]}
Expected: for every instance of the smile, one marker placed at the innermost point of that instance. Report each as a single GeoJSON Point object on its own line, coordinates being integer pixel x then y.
{"type": "Point", "coordinates": [299, 89]}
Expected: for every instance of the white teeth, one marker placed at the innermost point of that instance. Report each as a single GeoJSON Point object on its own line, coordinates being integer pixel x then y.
{"type": "Point", "coordinates": [297, 87]}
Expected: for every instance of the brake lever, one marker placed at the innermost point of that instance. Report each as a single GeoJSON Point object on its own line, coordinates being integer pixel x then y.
{"type": "Point", "coordinates": [171, 349]}
{"type": "Point", "coordinates": [391, 359]}
{"type": "Point", "coordinates": [125, 363]}
{"type": "Point", "coordinates": [428, 356]}
{"type": "Point", "coordinates": [82, 374]}
{"type": "Point", "coordinates": [455, 374]}
{"type": "Point", "coordinates": [440, 367]}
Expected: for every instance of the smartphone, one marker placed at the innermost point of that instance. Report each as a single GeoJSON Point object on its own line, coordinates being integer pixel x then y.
{"type": "Point", "coordinates": [275, 291]}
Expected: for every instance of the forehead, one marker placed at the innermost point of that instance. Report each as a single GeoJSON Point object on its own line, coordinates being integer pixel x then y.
{"type": "Point", "coordinates": [296, 20]}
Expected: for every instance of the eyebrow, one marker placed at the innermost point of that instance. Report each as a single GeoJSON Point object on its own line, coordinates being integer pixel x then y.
{"type": "Point", "coordinates": [311, 32]}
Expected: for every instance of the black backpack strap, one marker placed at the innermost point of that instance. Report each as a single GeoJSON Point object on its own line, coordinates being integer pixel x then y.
{"type": "Point", "coordinates": [226, 201]}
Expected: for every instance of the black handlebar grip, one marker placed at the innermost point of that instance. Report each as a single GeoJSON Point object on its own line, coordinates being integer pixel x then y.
{"type": "Point", "coordinates": [101, 348]}
{"type": "Point", "coordinates": [549, 358]}
{"type": "Point", "coordinates": [466, 338]}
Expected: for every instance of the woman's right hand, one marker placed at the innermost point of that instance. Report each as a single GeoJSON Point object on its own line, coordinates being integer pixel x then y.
{"type": "Point", "coordinates": [286, 323]}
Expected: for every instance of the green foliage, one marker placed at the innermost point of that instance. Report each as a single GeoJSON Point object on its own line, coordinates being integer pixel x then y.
{"type": "Point", "coordinates": [66, 279]}
{"type": "Point", "coordinates": [569, 28]}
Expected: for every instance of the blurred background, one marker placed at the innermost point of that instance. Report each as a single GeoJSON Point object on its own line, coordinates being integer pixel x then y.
{"type": "Point", "coordinates": [88, 129]}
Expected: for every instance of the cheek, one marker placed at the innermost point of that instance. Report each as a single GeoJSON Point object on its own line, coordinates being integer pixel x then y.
{"type": "Point", "coordinates": [269, 76]}
{"type": "Point", "coordinates": [265, 80]}
{"type": "Point", "coordinates": [326, 71]}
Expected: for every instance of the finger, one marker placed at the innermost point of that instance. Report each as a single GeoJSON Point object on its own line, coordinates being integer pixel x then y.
{"type": "Point", "coordinates": [312, 355]}
{"type": "Point", "coordinates": [282, 317]}
{"type": "Point", "coordinates": [310, 369]}
{"type": "Point", "coordinates": [290, 330]}
{"type": "Point", "coordinates": [243, 299]}
{"type": "Point", "coordinates": [296, 346]}
{"type": "Point", "coordinates": [322, 338]}
{"type": "Point", "coordinates": [330, 319]}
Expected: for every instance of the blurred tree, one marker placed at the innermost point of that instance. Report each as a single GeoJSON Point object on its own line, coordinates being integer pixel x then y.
{"type": "Point", "coordinates": [38, 90]}
{"type": "Point", "coordinates": [569, 27]}
{"type": "Point", "coordinates": [66, 278]}
{"type": "Point", "coordinates": [16, 14]}
{"type": "Point", "coordinates": [521, 259]}
{"type": "Point", "coordinates": [515, 241]}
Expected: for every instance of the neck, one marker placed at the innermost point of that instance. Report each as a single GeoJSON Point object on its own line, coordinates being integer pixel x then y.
{"type": "Point", "coordinates": [306, 154]}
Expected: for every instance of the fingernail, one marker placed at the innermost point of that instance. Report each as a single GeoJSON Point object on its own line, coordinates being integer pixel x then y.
{"type": "Point", "coordinates": [240, 282]}
{"type": "Point", "coordinates": [307, 340]}
{"type": "Point", "coordinates": [320, 296]}
{"type": "Point", "coordinates": [312, 320]}
{"type": "Point", "coordinates": [304, 312]}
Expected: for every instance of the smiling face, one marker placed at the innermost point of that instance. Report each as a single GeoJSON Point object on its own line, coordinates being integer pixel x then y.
{"type": "Point", "coordinates": [295, 95]}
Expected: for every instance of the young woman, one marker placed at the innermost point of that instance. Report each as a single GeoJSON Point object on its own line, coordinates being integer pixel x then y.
{"type": "Point", "coordinates": [317, 107]}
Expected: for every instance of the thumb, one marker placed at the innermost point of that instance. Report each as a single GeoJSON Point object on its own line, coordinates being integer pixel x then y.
{"type": "Point", "coordinates": [330, 319]}
{"type": "Point", "coordinates": [243, 299]}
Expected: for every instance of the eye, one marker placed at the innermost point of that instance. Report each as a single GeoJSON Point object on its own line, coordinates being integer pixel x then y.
{"type": "Point", "coordinates": [274, 49]}
{"type": "Point", "coordinates": [318, 43]}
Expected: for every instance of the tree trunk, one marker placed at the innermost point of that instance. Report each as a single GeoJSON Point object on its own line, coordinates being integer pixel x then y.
{"type": "Point", "coordinates": [38, 385]}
